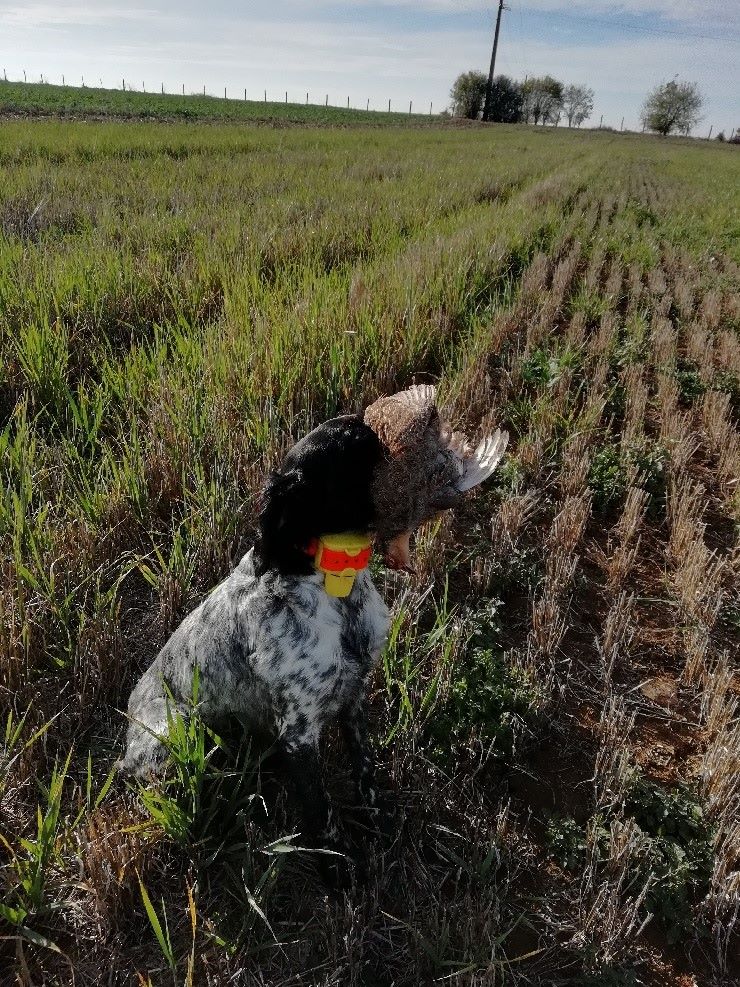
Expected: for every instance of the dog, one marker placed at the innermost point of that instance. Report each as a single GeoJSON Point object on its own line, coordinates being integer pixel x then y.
{"type": "Point", "coordinates": [270, 644]}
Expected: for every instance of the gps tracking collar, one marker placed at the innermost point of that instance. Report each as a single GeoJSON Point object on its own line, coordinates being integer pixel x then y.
{"type": "Point", "coordinates": [340, 557]}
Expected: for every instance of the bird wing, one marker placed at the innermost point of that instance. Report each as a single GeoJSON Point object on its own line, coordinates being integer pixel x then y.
{"type": "Point", "coordinates": [402, 419]}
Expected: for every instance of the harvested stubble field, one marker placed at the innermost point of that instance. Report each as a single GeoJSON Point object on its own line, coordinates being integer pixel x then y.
{"type": "Point", "coordinates": [556, 713]}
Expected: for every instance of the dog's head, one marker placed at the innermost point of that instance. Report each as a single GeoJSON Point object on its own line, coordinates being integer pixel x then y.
{"type": "Point", "coordinates": [323, 486]}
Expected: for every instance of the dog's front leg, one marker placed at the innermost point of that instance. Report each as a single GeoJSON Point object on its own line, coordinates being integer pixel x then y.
{"type": "Point", "coordinates": [354, 719]}
{"type": "Point", "coordinates": [302, 764]}
{"type": "Point", "coordinates": [356, 737]}
{"type": "Point", "coordinates": [301, 758]}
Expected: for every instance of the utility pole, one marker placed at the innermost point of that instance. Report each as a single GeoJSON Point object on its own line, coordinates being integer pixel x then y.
{"type": "Point", "coordinates": [489, 85]}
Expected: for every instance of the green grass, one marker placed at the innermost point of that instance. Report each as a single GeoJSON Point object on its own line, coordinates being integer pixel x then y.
{"type": "Point", "coordinates": [45, 99]}
{"type": "Point", "coordinates": [180, 302]}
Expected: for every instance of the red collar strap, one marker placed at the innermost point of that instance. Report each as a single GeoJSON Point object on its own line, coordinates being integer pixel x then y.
{"type": "Point", "coordinates": [337, 560]}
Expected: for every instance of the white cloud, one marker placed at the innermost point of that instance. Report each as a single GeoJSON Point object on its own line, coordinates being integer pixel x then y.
{"type": "Point", "coordinates": [711, 13]}
{"type": "Point", "coordinates": [36, 15]}
{"type": "Point", "coordinates": [708, 12]}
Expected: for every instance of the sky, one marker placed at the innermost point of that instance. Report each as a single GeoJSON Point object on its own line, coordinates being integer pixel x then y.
{"type": "Point", "coordinates": [402, 50]}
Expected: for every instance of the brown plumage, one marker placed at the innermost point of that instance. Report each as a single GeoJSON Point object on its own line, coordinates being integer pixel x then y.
{"type": "Point", "coordinates": [427, 466]}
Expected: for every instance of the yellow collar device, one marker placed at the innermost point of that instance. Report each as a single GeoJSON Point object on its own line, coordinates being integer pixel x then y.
{"type": "Point", "coordinates": [340, 557]}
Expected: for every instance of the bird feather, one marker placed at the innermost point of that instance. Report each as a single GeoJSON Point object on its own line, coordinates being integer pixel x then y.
{"type": "Point", "coordinates": [484, 460]}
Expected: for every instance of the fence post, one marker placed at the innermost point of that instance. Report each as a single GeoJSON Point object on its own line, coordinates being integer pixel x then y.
{"type": "Point", "coordinates": [245, 95]}
{"type": "Point", "coordinates": [204, 90]}
{"type": "Point", "coordinates": [348, 102]}
{"type": "Point", "coordinates": [709, 135]}
{"type": "Point", "coordinates": [224, 92]}
{"type": "Point", "coordinates": [430, 109]}
{"type": "Point", "coordinates": [621, 126]}
{"type": "Point", "coordinates": [183, 88]}
{"type": "Point", "coordinates": [389, 106]}
{"type": "Point", "coordinates": [327, 100]}
{"type": "Point", "coordinates": [265, 95]}
{"type": "Point", "coordinates": [411, 103]}
{"type": "Point", "coordinates": [163, 89]}
{"type": "Point", "coordinates": [306, 99]}
{"type": "Point", "coordinates": [286, 97]}
{"type": "Point", "coordinates": [123, 84]}
{"type": "Point", "coordinates": [368, 105]}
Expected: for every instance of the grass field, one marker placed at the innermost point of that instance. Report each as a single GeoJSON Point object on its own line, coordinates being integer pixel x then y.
{"type": "Point", "coordinates": [44, 99]}
{"type": "Point", "coordinates": [556, 713]}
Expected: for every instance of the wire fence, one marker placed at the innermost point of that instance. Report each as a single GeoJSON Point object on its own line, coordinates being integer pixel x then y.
{"type": "Point", "coordinates": [128, 86]}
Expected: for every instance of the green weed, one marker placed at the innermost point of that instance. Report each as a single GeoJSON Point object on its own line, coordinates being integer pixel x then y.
{"type": "Point", "coordinates": [678, 853]}
{"type": "Point", "coordinates": [487, 700]}
{"type": "Point", "coordinates": [30, 865]}
{"type": "Point", "coordinates": [415, 661]}
{"type": "Point", "coordinates": [675, 851]}
{"type": "Point", "coordinates": [612, 465]}
{"type": "Point", "coordinates": [689, 380]}
{"type": "Point", "coordinates": [545, 368]}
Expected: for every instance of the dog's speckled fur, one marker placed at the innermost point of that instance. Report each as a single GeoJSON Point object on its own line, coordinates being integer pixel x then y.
{"type": "Point", "coordinates": [277, 652]}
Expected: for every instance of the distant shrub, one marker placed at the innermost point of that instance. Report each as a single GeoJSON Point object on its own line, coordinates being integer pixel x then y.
{"type": "Point", "coordinates": [467, 94]}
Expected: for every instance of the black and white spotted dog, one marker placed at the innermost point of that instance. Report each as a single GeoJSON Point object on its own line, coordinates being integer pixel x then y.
{"type": "Point", "coordinates": [271, 646]}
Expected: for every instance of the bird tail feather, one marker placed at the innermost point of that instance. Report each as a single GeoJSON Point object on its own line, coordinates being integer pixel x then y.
{"type": "Point", "coordinates": [484, 460]}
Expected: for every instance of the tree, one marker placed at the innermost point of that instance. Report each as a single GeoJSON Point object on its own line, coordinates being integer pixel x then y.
{"type": "Point", "coordinates": [578, 104]}
{"type": "Point", "coordinates": [542, 99]}
{"type": "Point", "coordinates": [468, 94]}
{"type": "Point", "coordinates": [673, 106]}
{"type": "Point", "coordinates": [506, 100]}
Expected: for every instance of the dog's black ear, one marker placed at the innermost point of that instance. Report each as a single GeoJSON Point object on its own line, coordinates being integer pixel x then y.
{"type": "Point", "coordinates": [283, 520]}
{"type": "Point", "coordinates": [323, 485]}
